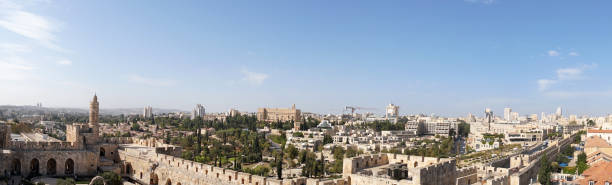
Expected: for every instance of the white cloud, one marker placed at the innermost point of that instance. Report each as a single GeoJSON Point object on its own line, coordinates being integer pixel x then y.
{"type": "Point", "coordinates": [28, 24]}
{"type": "Point", "coordinates": [573, 73]}
{"type": "Point", "coordinates": [544, 84]}
{"type": "Point", "coordinates": [569, 73]}
{"type": "Point", "coordinates": [14, 68]}
{"type": "Point", "coordinates": [565, 74]}
{"type": "Point", "coordinates": [14, 48]}
{"type": "Point", "coordinates": [553, 53]}
{"type": "Point", "coordinates": [64, 62]}
{"type": "Point", "coordinates": [574, 54]}
{"type": "Point", "coordinates": [253, 77]}
{"type": "Point", "coordinates": [481, 1]}
{"type": "Point", "coordinates": [150, 81]}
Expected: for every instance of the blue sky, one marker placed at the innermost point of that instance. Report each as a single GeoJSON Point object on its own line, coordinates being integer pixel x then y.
{"type": "Point", "coordinates": [443, 57]}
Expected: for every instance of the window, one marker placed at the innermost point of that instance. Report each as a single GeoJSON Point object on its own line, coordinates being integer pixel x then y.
{"type": "Point", "coordinates": [607, 183]}
{"type": "Point", "coordinates": [591, 183]}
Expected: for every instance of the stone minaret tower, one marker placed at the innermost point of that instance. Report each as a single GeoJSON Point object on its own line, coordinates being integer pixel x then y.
{"type": "Point", "coordinates": [94, 111]}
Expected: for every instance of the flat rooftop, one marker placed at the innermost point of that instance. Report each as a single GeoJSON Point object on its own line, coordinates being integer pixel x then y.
{"type": "Point", "coordinates": [37, 137]}
{"type": "Point", "coordinates": [137, 150]}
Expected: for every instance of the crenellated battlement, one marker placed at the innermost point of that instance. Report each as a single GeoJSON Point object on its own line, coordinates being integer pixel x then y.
{"type": "Point", "coordinates": [43, 146]}
{"type": "Point", "coordinates": [191, 172]}
{"type": "Point", "coordinates": [118, 140]}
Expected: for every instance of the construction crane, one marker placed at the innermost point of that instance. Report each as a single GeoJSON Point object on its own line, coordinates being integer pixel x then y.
{"type": "Point", "coordinates": [354, 108]}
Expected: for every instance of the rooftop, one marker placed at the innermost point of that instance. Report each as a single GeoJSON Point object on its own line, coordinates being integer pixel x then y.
{"type": "Point", "coordinates": [599, 131]}
{"type": "Point", "coordinates": [599, 173]}
{"type": "Point", "coordinates": [596, 141]}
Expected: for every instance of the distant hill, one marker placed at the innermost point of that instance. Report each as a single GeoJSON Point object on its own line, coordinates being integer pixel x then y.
{"type": "Point", "coordinates": [28, 109]}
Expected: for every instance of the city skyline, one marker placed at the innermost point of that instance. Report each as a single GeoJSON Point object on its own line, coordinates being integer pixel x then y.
{"type": "Point", "coordinates": [450, 58]}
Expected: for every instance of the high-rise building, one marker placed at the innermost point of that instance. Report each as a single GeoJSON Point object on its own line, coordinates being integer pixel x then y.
{"type": "Point", "coordinates": [147, 112]}
{"type": "Point", "coordinates": [392, 111]}
{"type": "Point", "coordinates": [233, 112]}
{"type": "Point", "coordinates": [514, 116]}
{"type": "Point", "coordinates": [533, 117]}
{"type": "Point", "coordinates": [507, 112]}
{"type": "Point", "coordinates": [572, 118]}
{"type": "Point", "coordinates": [198, 111]}
{"type": "Point", "coordinates": [489, 116]}
{"type": "Point", "coordinates": [470, 118]}
{"type": "Point", "coordinates": [559, 112]}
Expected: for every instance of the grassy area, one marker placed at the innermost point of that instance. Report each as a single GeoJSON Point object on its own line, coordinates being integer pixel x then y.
{"type": "Point", "coordinates": [256, 164]}
{"type": "Point", "coordinates": [465, 160]}
{"type": "Point", "coordinates": [280, 139]}
{"type": "Point", "coordinates": [569, 170]}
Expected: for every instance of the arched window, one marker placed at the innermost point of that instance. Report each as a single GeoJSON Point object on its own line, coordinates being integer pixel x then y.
{"type": "Point", "coordinates": [16, 167]}
{"type": "Point", "coordinates": [102, 152]}
{"type": "Point", "coordinates": [128, 169]}
{"type": "Point", "coordinates": [153, 179]}
{"type": "Point", "coordinates": [34, 167]}
{"type": "Point", "coordinates": [168, 182]}
{"type": "Point", "coordinates": [51, 167]}
{"type": "Point", "coordinates": [69, 167]}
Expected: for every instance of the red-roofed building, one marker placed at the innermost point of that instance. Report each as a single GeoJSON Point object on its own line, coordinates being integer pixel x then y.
{"type": "Point", "coordinates": [604, 134]}
{"type": "Point", "coordinates": [598, 174]}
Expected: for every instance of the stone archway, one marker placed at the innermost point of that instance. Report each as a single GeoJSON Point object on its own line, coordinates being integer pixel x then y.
{"type": "Point", "coordinates": [102, 152]}
{"type": "Point", "coordinates": [168, 182]}
{"type": "Point", "coordinates": [51, 167]}
{"type": "Point", "coordinates": [128, 169]}
{"type": "Point", "coordinates": [154, 180]}
{"type": "Point", "coordinates": [16, 167]}
{"type": "Point", "coordinates": [69, 166]}
{"type": "Point", "coordinates": [34, 167]}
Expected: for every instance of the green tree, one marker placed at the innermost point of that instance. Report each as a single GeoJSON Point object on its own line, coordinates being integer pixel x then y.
{"type": "Point", "coordinates": [591, 123]}
{"type": "Point", "coordinates": [581, 163]}
{"type": "Point", "coordinates": [298, 134]}
{"type": "Point", "coordinates": [463, 129]}
{"type": "Point", "coordinates": [327, 139]}
{"type": "Point", "coordinates": [136, 127]}
{"type": "Point", "coordinates": [544, 172]}
{"type": "Point", "coordinates": [291, 151]}
{"type": "Point", "coordinates": [279, 164]}
{"type": "Point", "coordinates": [111, 178]}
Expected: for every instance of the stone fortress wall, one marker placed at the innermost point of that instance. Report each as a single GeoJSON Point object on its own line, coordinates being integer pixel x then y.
{"type": "Point", "coordinates": [82, 154]}
{"type": "Point", "coordinates": [165, 169]}
{"type": "Point", "coordinates": [149, 167]}
{"type": "Point", "coordinates": [46, 158]}
{"type": "Point", "coordinates": [421, 170]}
{"type": "Point", "coordinates": [467, 175]}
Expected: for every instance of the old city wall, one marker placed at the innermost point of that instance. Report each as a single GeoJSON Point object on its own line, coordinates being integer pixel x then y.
{"type": "Point", "coordinates": [355, 179]}
{"type": "Point", "coordinates": [171, 150]}
{"type": "Point", "coordinates": [162, 168]}
{"type": "Point", "coordinates": [466, 176]}
{"type": "Point", "coordinates": [423, 170]}
{"type": "Point", "coordinates": [43, 146]}
{"type": "Point", "coordinates": [51, 163]}
{"type": "Point", "coordinates": [430, 175]}
{"type": "Point", "coordinates": [117, 140]}
{"type": "Point", "coordinates": [355, 164]}
{"type": "Point", "coordinates": [494, 175]}
{"type": "Point", "coordinates": [532, 162]}
{"type": "Point", "coordinates": [412, 161]}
